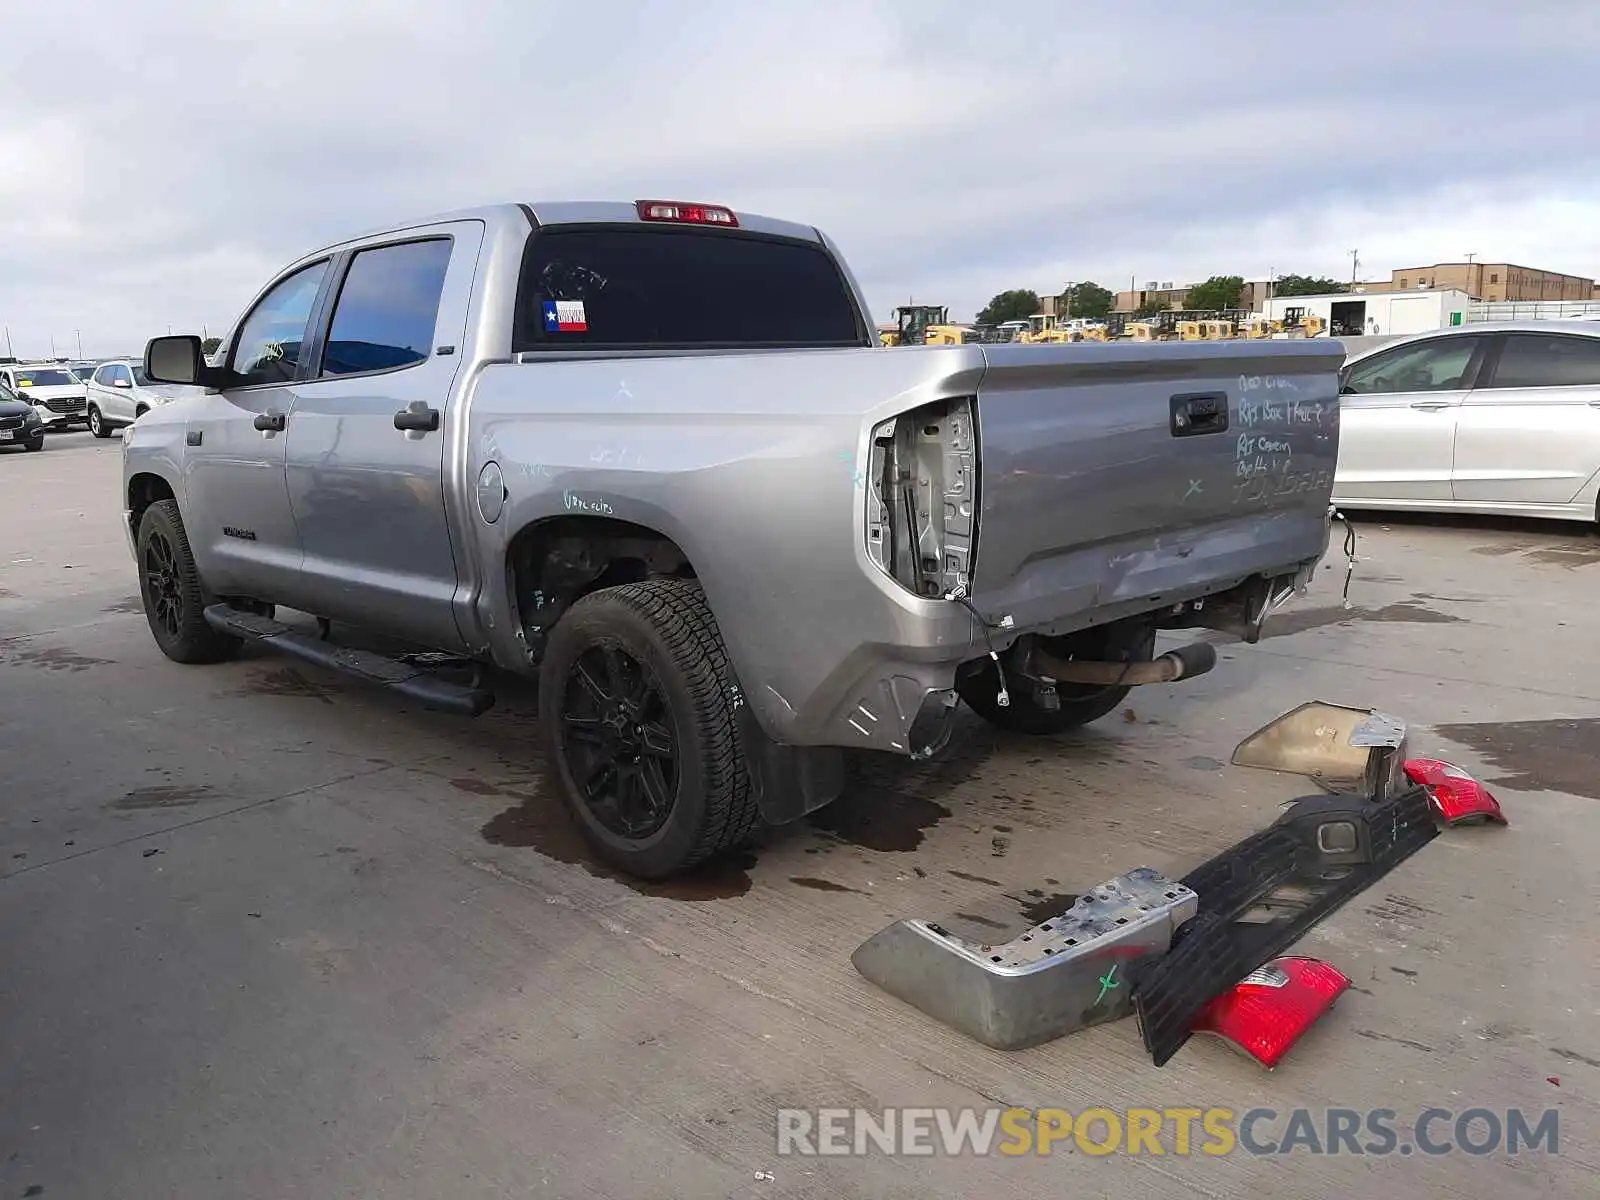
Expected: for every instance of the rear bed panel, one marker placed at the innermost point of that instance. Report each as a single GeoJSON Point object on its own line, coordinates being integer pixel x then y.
{"type": "Point", "coordinates": [1110, 478]}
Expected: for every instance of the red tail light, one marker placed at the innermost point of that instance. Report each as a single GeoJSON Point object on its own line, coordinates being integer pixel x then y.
{"type": "Point", "coordinates": [687, 214]}
{"type": "Point", "coordinates": [1268, 1011]}
{"type": "Point", "coordinates": [1457, 797]}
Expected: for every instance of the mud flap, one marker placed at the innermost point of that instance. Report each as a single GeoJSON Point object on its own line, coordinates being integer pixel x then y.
{"type": "Point", "coordinates": [1062, 975]}
{"type": "Point", "coordinates": [790, 782]}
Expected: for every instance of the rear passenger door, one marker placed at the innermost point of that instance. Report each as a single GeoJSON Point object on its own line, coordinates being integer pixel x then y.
{"type": "Point", "coordinates": [1529, 434]}
{"type": "Point", "coordinates": [366, 439]}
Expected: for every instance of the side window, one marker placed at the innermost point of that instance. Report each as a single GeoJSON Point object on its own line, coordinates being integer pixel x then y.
{"type": "Point", "coordinates": [121, 375]}
{"type": "Point", "coordinates": [268, 347]}
{"type": "Point", "coordinates": [387, 308]}
{"type": "Point", "coordinates": [1546, 360]}
{"type": "Point", "coordinates": [101, 376]}
{"type": "Point", "coordinates": [1433, 366]}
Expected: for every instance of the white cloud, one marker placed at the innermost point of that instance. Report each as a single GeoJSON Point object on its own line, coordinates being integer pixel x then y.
{"type": "Point", "coordinates": [158, 162]}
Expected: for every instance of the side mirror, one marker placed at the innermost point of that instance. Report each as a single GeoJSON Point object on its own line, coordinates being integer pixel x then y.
{"type": "Point", "coordinates": [174, 359]}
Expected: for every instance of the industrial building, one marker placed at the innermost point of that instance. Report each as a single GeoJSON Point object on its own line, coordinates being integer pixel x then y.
{"type": "Point", "coordinates": [1349, 314]}
{"type": "Point", "coordinates": [1492, 282]}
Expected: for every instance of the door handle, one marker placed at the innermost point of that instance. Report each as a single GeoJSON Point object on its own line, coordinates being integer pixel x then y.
{"type": "Point", "coordinates": [270, 422]}
{"type": "Point", "coordinates": [418, 419]}
{"type": "Point", "coordinates": [1429, 405]}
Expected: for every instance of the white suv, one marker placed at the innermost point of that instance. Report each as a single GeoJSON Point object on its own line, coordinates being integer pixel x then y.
{"type": "Point", "coordinates": [58, 396]}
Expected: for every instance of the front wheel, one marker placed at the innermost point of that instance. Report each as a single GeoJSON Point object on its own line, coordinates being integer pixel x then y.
{"type": "Point", "coordinates": [637, 713]}
{"type": "Point", "coordinates": [97, 423]}
{"type": "Point", "coordinates": [174, 597]}
{"type": "Point", "coordinates": [1077, 704]}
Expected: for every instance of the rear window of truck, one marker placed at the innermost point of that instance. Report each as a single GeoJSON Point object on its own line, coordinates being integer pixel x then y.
{"type": "Point", "coordinates": [611, 287]}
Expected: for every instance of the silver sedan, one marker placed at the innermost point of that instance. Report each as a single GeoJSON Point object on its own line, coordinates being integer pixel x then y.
{"type": "Point", "coordinates": [1483, 418]}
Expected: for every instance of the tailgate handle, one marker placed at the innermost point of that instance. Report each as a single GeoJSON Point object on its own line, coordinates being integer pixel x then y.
{"type": "Point", "coordinates": [1195, 413]}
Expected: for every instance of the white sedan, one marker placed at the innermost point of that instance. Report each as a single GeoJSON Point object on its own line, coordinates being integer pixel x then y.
{"type": "Point", "coordinates": [1499, 418]}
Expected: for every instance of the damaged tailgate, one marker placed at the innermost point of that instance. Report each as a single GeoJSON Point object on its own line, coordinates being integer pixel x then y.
{"type": "Point", "coordinates": [1124, 473]}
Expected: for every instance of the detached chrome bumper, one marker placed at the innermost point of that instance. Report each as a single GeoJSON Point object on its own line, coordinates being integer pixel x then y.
{"type": "Point", "coordinates": [1062, 975]}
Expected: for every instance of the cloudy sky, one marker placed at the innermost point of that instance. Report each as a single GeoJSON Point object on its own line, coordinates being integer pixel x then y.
{"type": "Point", "coordinates": [161, 160]}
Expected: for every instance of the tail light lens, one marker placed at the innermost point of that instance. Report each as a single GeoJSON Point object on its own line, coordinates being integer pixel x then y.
{"type": "Point", "coordinates": [1457, 797]}
{"type": "Point", "coordinates": [1269, 1010]}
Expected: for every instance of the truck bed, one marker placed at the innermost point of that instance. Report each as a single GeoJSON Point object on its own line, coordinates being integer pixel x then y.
{"type": "Point", "coordinates": [768, 471]}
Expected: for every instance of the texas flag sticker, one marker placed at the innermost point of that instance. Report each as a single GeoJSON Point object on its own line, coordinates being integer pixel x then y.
{"type": "Point", "coordinates": [564, 316]}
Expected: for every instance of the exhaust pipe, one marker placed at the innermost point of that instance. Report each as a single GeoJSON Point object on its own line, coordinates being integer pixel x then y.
{"type": "Point", "coordinates": [1186, 661]}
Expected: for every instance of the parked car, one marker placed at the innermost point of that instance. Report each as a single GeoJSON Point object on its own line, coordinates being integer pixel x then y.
{"type": "Point", "coordinates": [120, 393]}
{"type": "Point", "coordinates": [1485, 418]}
{"type": "Point", "coordinates": [55, 392]}
{"type": "Point", "coordinates": [20, 423]}
{"type": "Point", "coordinates": [732, 540]}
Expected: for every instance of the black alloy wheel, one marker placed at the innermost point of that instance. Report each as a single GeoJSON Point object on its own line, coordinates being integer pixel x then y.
{"type": "Point", "coordinates": [619, 741]}
{"type": "Point", "coordinates": [163, 587]}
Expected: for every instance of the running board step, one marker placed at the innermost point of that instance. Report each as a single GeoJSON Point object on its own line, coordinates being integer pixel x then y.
{"type": "Point", "coordinates": [413, 681]}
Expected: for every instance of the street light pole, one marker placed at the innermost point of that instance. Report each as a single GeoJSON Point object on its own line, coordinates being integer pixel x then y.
{"type": "Point", "coordinates": [79, 332]}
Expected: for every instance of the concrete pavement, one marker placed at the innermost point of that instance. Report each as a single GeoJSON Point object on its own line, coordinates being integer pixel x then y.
{"type": "Point", "coordinates": [270, 934]}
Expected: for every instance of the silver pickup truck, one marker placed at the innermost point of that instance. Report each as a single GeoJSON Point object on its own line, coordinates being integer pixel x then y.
{"type": "Point", "coordinates": [652, 455]}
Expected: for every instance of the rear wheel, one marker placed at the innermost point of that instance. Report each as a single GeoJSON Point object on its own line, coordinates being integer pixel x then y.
{"type": "Point", "coordinates": [174, 597]}
{"type": "Point", "coordinates": [97, 423]}
{"type": "Point", "coordinates": [1078, 704]}
{"type": "Point", "coordinates": [637, 718]}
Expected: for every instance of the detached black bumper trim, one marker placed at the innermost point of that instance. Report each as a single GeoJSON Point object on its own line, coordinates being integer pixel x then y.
{"type": "Point", "coordinates": [1261, 896]}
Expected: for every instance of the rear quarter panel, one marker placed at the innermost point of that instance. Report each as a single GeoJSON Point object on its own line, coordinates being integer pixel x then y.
{"type": "Point", "coordinates": [753, 464]}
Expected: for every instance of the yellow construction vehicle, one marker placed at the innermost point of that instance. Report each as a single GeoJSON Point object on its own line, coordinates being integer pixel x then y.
{"type": "Point", "coordinates": [1219, 331]}
{"type": "Point", "coordinates": [1192, 331]}
{"type": "Point", "coordinates": [914, 324]}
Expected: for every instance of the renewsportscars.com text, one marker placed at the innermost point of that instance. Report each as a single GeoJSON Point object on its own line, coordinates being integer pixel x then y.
{"type": "Point", "coordinates": [1378, 1132]}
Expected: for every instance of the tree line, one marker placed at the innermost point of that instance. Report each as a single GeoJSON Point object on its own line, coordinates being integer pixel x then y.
{"type": "Point", "coordinates": [1091, 301]}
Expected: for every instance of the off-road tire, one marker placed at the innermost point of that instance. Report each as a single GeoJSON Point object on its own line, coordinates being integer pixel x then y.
{"type": "Point", "coordinates": [193, 640]}
{"type": "Point", "coordinates": [97, 422]}
{"type": "Point", "coordinates": [667, 626]}
{"type": "Point", "coordinates": [1080, 704]}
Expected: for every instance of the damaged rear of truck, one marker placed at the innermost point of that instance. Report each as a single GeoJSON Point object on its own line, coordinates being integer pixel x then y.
{"type": "Point", "coordinates": [874, 536]}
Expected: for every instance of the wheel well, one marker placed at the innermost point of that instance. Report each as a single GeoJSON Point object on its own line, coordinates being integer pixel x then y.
{"type": "Point", "coordinates": [140, 411]}
{"type": "Point", "coordinates": [553, 563]}
{"type": "Point", "coordinates": [144, 489]}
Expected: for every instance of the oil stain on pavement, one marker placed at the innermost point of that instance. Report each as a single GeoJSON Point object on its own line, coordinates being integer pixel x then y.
{"type": "Point", "coordinates": [160, 797]}
{"type": "Point", "coordinates": [55, 659]}
{"type": "Point", "coordinates": [540, 823]}
{"type": "Point", "coordinates": [1535, 756]}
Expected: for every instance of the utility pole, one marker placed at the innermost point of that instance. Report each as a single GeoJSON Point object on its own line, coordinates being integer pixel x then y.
{"type": "Point", "coordinates": [10, 353]}
{"type": "Point", "coordinates": [79, 332]}
{"type": "Point", "coordinates": [1355, 263]}
{"type": "Point", "coordinates": [52, 345]}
